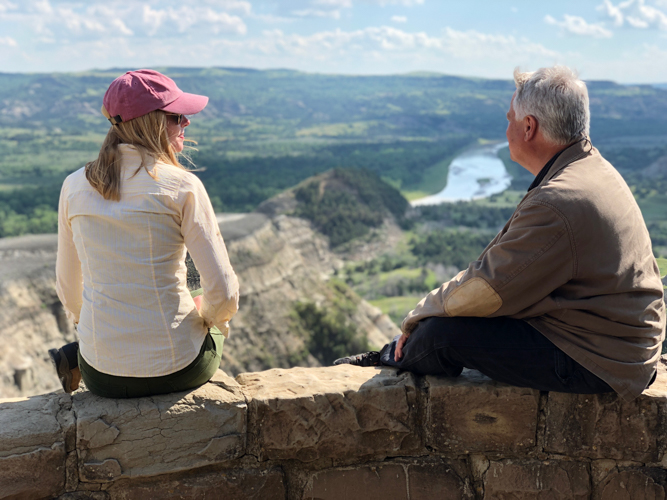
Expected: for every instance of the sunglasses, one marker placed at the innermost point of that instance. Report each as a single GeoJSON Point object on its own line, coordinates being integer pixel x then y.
{"type": "Point", "coordinates": [176, 117]}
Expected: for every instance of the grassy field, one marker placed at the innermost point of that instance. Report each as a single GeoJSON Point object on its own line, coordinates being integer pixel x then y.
{"type": "Point", "coordinates": [654, 208]}
{"type": "Point", "coordinates": [434, 180]}
{"type": "Point", "coordinates": [662, 264]}
{"type": "Point", "coordinates": [508, 198]}
{"type": "Point", "coordinates": [266, 131]}
{"type": "Point", "coordinates": [372, 283]}
{"type": "Point", "coordinates": [397, 307]}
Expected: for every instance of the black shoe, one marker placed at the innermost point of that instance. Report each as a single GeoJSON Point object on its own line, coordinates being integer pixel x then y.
{"type": "Point", "coordinates": [62, 369]}
{"type": "Point", "coordinates": [371, 358]}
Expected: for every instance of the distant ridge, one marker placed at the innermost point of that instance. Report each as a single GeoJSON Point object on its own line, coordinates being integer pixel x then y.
{"type": "Point", "coordinates": [342, 204]}
{"type": "Point", "coordinates": [191, 70]}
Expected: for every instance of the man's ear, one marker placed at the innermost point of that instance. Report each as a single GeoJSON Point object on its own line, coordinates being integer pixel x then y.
{"type": "Point", "coordinates": [529, 128]}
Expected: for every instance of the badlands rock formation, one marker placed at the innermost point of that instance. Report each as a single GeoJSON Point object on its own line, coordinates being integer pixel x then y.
{"type": "Point", "coordinates": [32, 320]}
{"type": "Point", "coordinates": [279, 260]}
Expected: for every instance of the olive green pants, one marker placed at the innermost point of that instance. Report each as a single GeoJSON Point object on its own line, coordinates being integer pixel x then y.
{"type": "Point", "coordinates": [195, 374]}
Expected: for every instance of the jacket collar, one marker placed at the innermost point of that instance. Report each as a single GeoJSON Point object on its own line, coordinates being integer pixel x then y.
{"type": "Point", "coordinates": [570, 154]}
{"type": "Point", "coordinates": [545, 169]}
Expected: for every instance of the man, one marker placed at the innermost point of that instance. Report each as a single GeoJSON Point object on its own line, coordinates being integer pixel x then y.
{"type": "Point", "coordinates": [567, 297]}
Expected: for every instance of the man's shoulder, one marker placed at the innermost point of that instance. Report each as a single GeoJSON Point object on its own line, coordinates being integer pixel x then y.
{"type": "Point", "coordinates": [590, 179]}
{"type": "Point", "coordinates": [590, 192]}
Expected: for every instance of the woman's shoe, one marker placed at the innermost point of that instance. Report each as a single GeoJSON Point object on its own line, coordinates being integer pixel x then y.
{"type": "Point", "coordinates": [62, 369]}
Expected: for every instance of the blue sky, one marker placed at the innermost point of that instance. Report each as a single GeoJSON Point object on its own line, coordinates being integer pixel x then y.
{"type": "Point", "coordinates": [621, 40]}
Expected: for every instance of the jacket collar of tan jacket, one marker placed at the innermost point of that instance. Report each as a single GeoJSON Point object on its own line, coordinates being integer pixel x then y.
{"type": "Point", "coordinates": [570, 154]}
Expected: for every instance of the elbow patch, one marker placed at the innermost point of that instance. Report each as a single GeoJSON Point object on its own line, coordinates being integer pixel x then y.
{"type": "Point", "coordinates": [474, 298]}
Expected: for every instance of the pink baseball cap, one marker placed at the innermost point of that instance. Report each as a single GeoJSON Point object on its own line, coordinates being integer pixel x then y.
{"type": "Point", "coordinates": [137, 93]}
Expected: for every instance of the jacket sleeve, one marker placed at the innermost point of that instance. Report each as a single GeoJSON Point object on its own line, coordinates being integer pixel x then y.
{"type": "Point", "coordinates": [201, 233]}
{"type": "Point", "coordinates": [528, 262]}
{"type": "Point", "coordinates": [69, 279]}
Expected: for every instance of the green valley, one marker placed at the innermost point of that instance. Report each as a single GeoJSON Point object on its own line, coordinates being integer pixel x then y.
{"type": "Point", "coordinates": [266, 131]}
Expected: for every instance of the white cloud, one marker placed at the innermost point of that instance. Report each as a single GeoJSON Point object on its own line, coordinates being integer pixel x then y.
{"type": "Point", "coordinates": [6, 5]}
{"type": "Point", "coordinates": [637, 63]}
{"type": "Point", "coordinates": [37, 35]}
{"type": "Point", "coordinates": [406, 3]}
{"type": "Point", "coordinates": [372, 50]}
{"type": "Point", "coordinates": [637, 22]}
{"type": "Point", "coordinates": [332, 14]}
{"type": "Point", "coordinates": [390, 41]}
{"type": "Point", "coordinates": [66, 21]}
{"type": "Point", "coordinates": [241, 6]}
{"type": "Point", "coordinates": [315, 8]}
{"type": "Point", "coordinates": [8, 41]}
{"type": "Point", "coordinates": [613, 11]}
{"type": "Point", "coordinates": [578, 26]}
{"type": "Point", "coordinates": [637, 13]}
{"type": "Point", "coordinates": [481, 45]}
{"type": "Point", "coordinates": [80, 23]}
{"type": "Point", "coordinates": [337, 4]}
{"type": "Point", "coordinates": [399, 19]}
{"type": "Point", "coordinates": [121, 27]}
{"type": "Point", "coordinates": [272, 18]}
{"type": "Point", "coordinates": [333, 8]}
{"type": "Point", "coordinates": [184, 18]}
{"type": "Point", "coordinates": [39, 6]}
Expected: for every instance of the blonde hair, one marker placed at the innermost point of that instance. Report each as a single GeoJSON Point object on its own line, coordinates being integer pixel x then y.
{"type": "Point", "coordinates": [148, 134]}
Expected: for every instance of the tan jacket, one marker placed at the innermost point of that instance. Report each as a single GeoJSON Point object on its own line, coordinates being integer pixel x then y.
{"type": "Point", "coordinates": [575, 261]}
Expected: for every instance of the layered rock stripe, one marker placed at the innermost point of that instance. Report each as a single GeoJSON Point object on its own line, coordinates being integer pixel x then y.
{"type": "Point", "coordinates": [341, 432]}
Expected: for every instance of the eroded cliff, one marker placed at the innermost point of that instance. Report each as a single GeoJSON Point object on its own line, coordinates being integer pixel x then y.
{"type": "Point", "coordinates": [280, 262]}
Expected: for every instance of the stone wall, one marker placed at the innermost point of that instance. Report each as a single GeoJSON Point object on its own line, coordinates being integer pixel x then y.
{"type": "Point", "coordinates": [337, 433]}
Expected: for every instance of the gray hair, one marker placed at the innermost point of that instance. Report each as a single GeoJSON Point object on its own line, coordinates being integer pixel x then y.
{"type": "Point", "coordinates": [557, 98]}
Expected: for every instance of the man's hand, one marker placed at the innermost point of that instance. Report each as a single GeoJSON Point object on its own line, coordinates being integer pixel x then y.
{"type": "Point", "coordinates": [398, 353]}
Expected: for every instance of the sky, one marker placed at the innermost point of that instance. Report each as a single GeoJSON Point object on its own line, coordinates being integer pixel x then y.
{"type": "Point", "coordinates": [620, 40]}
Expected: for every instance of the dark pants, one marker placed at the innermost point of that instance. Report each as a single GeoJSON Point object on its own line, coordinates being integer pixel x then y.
{"type": "Point", "coordinates": [195, 374]}
{"type": "Point", "coordinates": [504, 349]}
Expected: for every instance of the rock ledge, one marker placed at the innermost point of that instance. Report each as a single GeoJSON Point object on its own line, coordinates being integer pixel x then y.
{"type": "Point", "coordinates": [337, 433]}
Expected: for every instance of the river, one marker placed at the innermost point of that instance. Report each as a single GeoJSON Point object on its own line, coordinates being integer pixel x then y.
{"type": "Point", "coordinates": [476, 173]}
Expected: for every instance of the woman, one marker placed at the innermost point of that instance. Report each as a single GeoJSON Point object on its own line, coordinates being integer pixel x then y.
{"type": "Point", "coordinates": [125, 221]}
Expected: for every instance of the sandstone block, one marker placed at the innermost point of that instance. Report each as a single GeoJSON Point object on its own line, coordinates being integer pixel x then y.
{"type": "Point", "coordinates": [32, 447]}
{"type": "Point", "coordinates": [339, 412]}
{"type": "Point", "coordinates": [85, 495]}
{"type": "Point", "coordinates": [439, 480]}
{"type": "Point", "coordinates": [603, 426]}
{"type": "Point", "coordinates": [523, 480]}
{"type": "Point", "coordinates": [381, 482]}
{"type": "Point", "coordinates": [600, 469]}
{"type": "Point", "coordinates": [148, 436]}
{"type": "Point", "coordinates": [644, 483]}
{"type": "Point", "coordinates": [473, 414]}
{"type": "Point", "coordinates": [103, 472]}
{"type": "Point", "coordinates": [247, 484]}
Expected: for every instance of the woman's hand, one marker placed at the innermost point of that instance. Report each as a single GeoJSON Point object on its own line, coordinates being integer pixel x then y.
{"type": "Point", "coordinates": [197, 301]}
{"type": "Point", "coordinates": [398, 353]}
